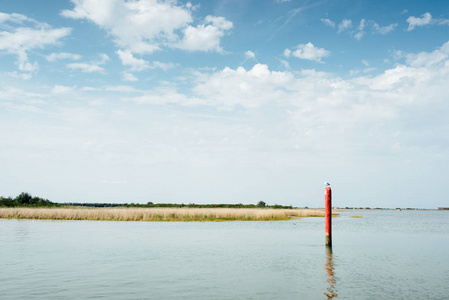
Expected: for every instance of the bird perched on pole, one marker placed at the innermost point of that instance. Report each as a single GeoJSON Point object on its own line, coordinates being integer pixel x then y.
{"type": "Point", "coordinates": [327, 183]}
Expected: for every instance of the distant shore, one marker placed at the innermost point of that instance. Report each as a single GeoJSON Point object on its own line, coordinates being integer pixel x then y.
{"type": "Point", "coordinates": [157, 214]}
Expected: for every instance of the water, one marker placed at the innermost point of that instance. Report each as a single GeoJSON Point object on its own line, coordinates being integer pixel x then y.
{"type": "Point", "coordinates": [383, 255]}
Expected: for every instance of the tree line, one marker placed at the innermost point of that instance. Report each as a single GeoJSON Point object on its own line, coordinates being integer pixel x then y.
{"type": "Point", "coordinates": [26, 200]}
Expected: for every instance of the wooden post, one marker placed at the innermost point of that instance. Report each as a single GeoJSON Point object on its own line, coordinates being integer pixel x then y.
{"type": "Point", "coordinates": [328, 215]}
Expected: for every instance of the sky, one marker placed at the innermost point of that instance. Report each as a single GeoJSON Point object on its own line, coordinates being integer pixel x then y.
{"type": "Point", "coordinates": [230, 101]}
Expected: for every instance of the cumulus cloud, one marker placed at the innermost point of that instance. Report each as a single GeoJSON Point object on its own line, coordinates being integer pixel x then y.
{"type": "Point", "coordinates": [205, 37]}
{"type": "Point", "coordinates": [425, 19]}
{"type": "Point", "coordinates": [318, 96]}
{"type": "Point", "coordinates": [19, 41]}
{"type": "Point", "coordinates": [395, 112]}
{"type": "Point", "coordinates": [139, 26]}
{"type": "Point", "coordinates": [392, 119]}
{"type": "Point", "coordinates": [306, 107]}
{"type": "Point", "coordinates": [308, 51]}
{"type": "Point", "coordinates": [144, 26]}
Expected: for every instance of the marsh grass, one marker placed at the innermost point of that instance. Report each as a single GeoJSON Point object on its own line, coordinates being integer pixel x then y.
{"type": "Point", "coordinates": [158, 214]}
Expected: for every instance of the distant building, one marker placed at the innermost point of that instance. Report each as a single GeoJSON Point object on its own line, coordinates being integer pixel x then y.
{"type": "Point", "coordinates": [443, 208]}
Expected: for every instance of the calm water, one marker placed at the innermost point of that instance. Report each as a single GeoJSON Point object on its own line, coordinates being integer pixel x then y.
{"type": "Point", "coordinates": [384, 255]}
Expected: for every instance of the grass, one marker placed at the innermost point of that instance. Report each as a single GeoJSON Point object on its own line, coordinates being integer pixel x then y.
{"type": "Point", "coordinates": [158, 214]}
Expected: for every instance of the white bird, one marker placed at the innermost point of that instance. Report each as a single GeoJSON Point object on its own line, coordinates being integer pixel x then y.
{"type": "Point", "coordinates": [327, 183]}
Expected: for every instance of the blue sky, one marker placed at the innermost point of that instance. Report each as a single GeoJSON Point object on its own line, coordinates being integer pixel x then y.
{"type": "Point", "coordinates": [225, 101]}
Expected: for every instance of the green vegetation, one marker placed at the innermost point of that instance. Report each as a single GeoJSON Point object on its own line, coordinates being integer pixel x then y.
{"type": "Point", "coordinates": [26, 206]}
{"type": "Point", "coordinates": [26, 200]}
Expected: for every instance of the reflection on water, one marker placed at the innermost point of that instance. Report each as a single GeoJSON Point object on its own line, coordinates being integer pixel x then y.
{"type": "Point", "coordinates": [331, 279]}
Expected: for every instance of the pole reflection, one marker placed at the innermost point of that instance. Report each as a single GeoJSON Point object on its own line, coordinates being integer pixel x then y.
{"type": "Point", "coordinates": [331, 279]}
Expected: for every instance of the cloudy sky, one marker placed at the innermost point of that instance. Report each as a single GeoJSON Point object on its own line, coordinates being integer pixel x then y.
{"type": "Point", "coordinates": [230, 101]}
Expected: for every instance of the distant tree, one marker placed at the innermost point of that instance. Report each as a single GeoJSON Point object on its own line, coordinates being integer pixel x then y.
{"type": "Point", "coordinates": [8, 201]}
{"type": "Point", "coordinates": [24, 199]}
{"type": "Point", "coordinates": [261, 204]}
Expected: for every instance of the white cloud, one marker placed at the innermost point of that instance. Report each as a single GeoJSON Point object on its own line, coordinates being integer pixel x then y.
{"type": "Point", "coordinates": [144, 26]}
{"type": "Point", "coordinates": [205, 37]}
{"type": "Point", "coordinates": [129, 77]}
{"type": "Point", "coordinates": [368, 70]}
{"type": "Point", "coordinates": [91, 67]}
{"type": "Point", "coordinates": [328, 22]}
{"type": "Point", "coordinates": [354, 72]}
{"type": "Point", "coordinates": [427, 59]}
{"type": "Point", "coordinates": [385, 29]}
{"type": "Point", "coordinates": [137, 64]}
{"type": "Point", "coordinates": [13, 18]}
{"type": "Point", "coordinates": [62, 56]}
{"type": "Point", "coordinates": [287, 120]}
{"type": "Point", "coordinates": [344, 25]}
{"type": "Point", "coordinates": [285, 64]}
{"type": "Point", "coordinates": [370, 98]}
{"type": "Point", "coordinates": [161, 65]}
{"type": "Point", "coordinates": [61, 89]}
{"type": "Point", "coordinates": [138, 26]}
{"type": "Point", "coordinates": [425, 19]}
{"type": "Point", "coordinates": [129, 60]}
{"type": "Point", "coordinates": [86, 67]}
{"type": "Point", "coordinates": [308, 51]}
{"type": "Point", "coordinates": [361, 31]}
{"type": "Point", "coordinates": [103, 59]}
{"type": "Point", "coordinates": [250, 54]}
{"type": "Point", "coordinates": [20, 41]}
{"type": "Point", "coordinates": [120, 88]}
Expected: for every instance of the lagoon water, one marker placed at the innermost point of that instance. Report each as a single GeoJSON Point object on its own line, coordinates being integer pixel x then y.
{"type": "Point", "coordinates": [383, 255]}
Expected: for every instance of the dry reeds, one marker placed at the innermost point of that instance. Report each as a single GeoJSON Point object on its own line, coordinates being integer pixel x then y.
{"type": "Point", "coordinates": [158, 214]}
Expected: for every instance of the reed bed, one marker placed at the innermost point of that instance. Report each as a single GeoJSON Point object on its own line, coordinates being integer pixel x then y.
{"type": "Point", "coordinates": [158, 214]}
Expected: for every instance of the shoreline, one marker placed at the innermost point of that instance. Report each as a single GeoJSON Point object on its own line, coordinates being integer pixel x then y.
{"type": "Point", "coordinates": [158, 214]}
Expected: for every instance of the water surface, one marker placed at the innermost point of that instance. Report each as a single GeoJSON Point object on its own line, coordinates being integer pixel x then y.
{"type": "Point", "coordinates": [383, 255]}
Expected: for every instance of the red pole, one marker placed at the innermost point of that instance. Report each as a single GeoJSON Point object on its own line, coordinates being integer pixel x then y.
{"type": "Point", "coordinates": [328, 215]}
